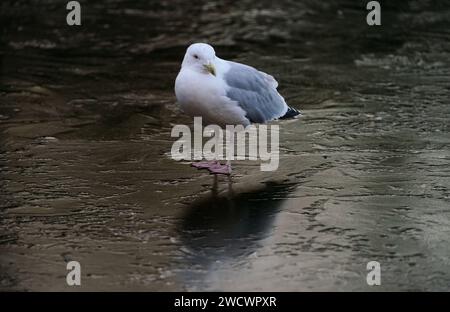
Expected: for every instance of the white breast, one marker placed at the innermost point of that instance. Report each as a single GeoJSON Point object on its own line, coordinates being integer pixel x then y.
{"type": "Point", "coordinates": [203, 95]}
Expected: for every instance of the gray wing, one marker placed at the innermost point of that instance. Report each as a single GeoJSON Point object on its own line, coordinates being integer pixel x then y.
{"type": "Point", "coordinates": [255, 92]}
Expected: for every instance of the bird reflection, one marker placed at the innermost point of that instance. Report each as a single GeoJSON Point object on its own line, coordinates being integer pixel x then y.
{"type": "Point", "coordinates": [230, 225]}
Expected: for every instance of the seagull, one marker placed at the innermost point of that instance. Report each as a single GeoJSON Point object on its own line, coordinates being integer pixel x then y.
{"type": "Point", "coordinates": [226, 93]}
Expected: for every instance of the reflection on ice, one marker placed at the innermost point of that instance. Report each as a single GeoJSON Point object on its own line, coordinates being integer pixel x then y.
{"type": "Point", "coordinates": [226, 228]}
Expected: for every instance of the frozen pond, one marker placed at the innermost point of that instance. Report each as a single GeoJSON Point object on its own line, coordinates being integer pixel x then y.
{"type": "Point", "coordinates": [85, 120]}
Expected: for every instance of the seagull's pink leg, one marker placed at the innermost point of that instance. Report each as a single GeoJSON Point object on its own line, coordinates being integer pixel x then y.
{"type": "Point", "coordinates": [221, 169]}
{"type": "Point", "coordinates": [213, 167]}
{"type": "Point", "coordinates": [205, 164]}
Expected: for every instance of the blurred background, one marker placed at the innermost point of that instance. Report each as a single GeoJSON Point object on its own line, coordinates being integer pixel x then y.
{"type": "Point", "coordinates": [86, 174]}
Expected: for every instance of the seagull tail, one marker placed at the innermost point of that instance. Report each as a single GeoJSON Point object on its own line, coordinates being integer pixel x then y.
{"type": "Point", "coordinates": [291, 113]}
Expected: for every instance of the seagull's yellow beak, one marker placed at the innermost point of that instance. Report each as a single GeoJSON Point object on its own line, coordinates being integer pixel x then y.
{"type": "Point", "coordinates": [210, 68]}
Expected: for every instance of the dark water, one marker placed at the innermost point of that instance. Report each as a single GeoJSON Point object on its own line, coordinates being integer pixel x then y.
{"type": "Point", "coordinates": [85, 120]}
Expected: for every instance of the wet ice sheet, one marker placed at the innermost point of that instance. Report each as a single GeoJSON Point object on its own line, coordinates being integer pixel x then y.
{"type": "Point", "coordinates": [364, 175]}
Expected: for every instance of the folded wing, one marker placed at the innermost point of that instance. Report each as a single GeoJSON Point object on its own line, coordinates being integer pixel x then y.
{"type": "Point", "coordinates": [255, 92]}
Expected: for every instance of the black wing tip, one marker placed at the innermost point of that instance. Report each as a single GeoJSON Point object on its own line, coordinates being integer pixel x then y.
{"type": "Point", "coordinates": [291, 113]}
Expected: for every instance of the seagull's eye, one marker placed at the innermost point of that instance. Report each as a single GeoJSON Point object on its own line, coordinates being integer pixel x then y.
{"type": "Point", "coordinates": [196, 56]}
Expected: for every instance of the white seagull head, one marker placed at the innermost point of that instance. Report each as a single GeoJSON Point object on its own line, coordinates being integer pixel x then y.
{"type": "Point", "coordinates": [200, 57]}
